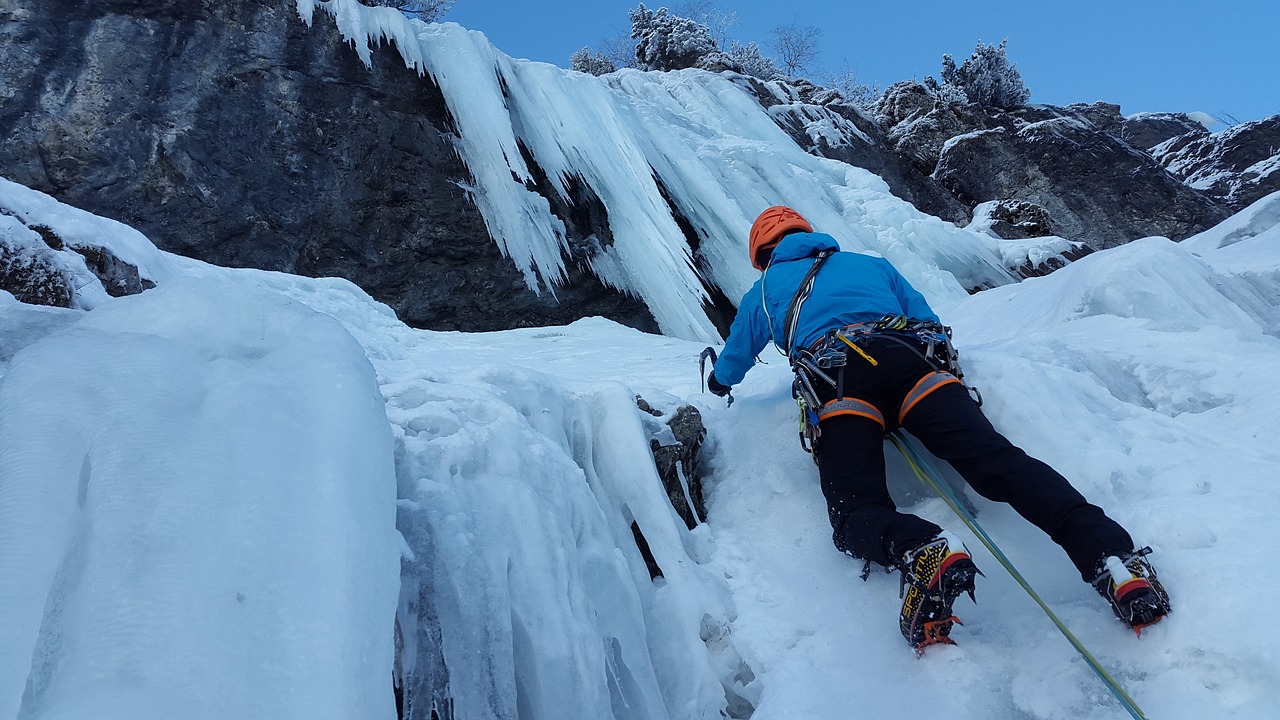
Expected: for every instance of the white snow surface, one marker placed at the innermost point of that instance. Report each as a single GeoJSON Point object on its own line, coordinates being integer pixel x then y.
{"type": "Point", "coordinates": [1208, 121]}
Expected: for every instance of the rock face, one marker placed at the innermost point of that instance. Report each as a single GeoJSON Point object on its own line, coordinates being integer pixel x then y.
{"type": "Point", "coordinates": [823, 125]}
{"type": "Point", "coordinates": [39, 267]}
{"type": "Point", "coordinates": [1019, 220]}
{"type": "Point", "coordinates": [1071, 161]}
{"type": "Point", "coordinates": [32, 273]}
{"type": "Point", "coordinates": [1096, 188]}
{"type": "Point", "coordinates": [1148, 130]}
{"type": "Point", "coordinates": [1237, 166]}
{"type": "Point", "coordinates": [234, 133]}
{"type": "Point", "coordinates": [1086, 166]}
{"type": "Point", "coordinates": [677, 454]}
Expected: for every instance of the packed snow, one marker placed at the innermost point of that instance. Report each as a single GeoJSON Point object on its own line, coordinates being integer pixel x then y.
{"type": "Point", "coordinates": [251, 494]}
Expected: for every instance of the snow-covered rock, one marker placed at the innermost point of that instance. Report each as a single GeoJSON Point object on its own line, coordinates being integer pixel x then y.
{"type": "Point", "coordinates": [1238, 165]}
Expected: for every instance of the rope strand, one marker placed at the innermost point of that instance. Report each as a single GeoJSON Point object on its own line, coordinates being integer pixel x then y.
{"type": "Point", "coordinates": [928, 476]}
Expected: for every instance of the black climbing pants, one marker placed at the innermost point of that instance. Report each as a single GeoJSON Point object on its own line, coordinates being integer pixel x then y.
{"type": "Point", "coordinates": [949, 423]}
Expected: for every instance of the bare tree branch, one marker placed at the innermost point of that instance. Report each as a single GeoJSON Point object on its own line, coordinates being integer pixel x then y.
{"type": "Point", "coordinates": [795, 46]}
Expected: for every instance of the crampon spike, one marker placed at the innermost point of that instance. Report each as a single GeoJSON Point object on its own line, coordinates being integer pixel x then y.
{"type": "Point", "coordinates": [937, 632]}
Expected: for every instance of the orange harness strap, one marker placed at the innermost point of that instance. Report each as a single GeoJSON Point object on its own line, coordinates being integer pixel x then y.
{"type": "Point", "coordinates": [851, 406]}
{"type": "Point", "coordinates": [927, 384]}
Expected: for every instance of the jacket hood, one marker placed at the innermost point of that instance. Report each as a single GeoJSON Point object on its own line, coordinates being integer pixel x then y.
{"type": "Point", "coordinates": [797, 246]}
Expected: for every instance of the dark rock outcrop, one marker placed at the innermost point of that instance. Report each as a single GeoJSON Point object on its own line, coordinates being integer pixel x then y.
{"type": "Point", "coordinates": [1074, 162]}
{"type": "Point", "coordinates": [34, 275]}
{"type": "Point", "coordinates": [1019, 219]}
{"type": "Point", "coordinates": [39, 267]}
{"type": "Point", "coordinates": [1237, 166]}
{"type": "Point", "coordinates": [1068, 160]}
{"type": "Point", "coordinates": [861, 141]}
{"type": "Point", "coordinates": [677, 451]}
{"type": "Point", "coordinates": [1148, 130]}
{"type": "Point", "coordinates": [234, 133]}
{"type": "Point", "coordinates": [1097, 189]}
{"type": "Point", "coordinates": [118, 277]}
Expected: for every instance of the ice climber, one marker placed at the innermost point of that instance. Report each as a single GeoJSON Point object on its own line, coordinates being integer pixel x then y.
{"type": "Point", "coordinates": [870, 356]}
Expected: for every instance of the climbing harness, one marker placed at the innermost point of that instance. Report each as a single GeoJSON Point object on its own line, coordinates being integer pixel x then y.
{"type": "Point", "coordinates": [826, 360]}
{"type": "Point", "coordinates": [929, 477]}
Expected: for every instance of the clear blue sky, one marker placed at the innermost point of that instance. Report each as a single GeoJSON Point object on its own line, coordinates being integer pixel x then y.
{"type": "Point", "coordinates": [1145, 55]}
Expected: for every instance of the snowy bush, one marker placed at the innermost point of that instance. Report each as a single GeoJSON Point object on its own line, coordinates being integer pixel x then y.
{"type": "Point", "coordinates": [668, 42]}
{"type": "Point", "coordinates": [424, 10]}
{"type": "Point", "coordinates": [753, 62]}
{"type": "Point", "coordinates": [852, 91]}
{"type": "Point", "coordinates": [946, 94]}
{"type": "Point", "coordinates": [719, 61]}
{"type": "Point", "coordinates": [986, 78]}
{"type": "Point", "coordinates": [594, 63]}
{"type": "Point", "coordinates": [706, 13]}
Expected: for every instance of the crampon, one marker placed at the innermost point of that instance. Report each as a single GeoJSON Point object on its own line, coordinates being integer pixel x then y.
{"type": "Point", "coordinates": [933, 576]}
{"type": "Point", "coordinates": [1131, 587]}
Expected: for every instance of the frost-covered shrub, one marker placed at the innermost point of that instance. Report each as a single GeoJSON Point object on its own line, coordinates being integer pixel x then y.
{"type": "Point", "coordinates": [852, 91]}
{"type": "Point", "coordinates": [424, 10]}
{"type": "Point", "coordinates": [986, 78]}
{"type": "Point", "coordinates": [668, 42]}
{"type": "Point", "coordinates": [946, 94]}
{"type": "Point", "coordinates": [591, 62]}
{"type": "Point", "coordinates": [719, 61]}
{"type": "Point", "coordinates": [753, 62]}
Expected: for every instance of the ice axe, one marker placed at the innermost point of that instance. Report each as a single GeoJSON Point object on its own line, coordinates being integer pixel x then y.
{"type": "Point", "coordinates": [702, 370]}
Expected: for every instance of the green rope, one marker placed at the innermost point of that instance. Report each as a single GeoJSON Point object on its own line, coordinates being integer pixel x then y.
{"type": "Point", "coordinates": [928, 475]}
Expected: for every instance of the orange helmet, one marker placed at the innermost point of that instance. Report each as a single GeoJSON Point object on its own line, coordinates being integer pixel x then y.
{"type": "Point", "coordinates": [769, 228]}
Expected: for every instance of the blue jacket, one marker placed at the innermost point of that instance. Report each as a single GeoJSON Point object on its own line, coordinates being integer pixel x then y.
{"type": "Point", "coordinates": [850, 288]}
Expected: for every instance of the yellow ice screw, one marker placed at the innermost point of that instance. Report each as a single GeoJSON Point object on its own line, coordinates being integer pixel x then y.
{"type": "Point", "coordinates": [857, 349]}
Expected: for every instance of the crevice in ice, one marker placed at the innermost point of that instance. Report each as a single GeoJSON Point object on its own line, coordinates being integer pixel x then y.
{"type": "Point", "coordinates": [655, 572]}
{"type": "Point", "coordinates": [50, 653]}
{"type": "Point", "coordinates": [625, 694]}
{"type": "Point", "coordinates": [525, 659]}
{"type": "Point", "coordinates": [718, 306]}
{"type": "Point", "coordinates": [575, 203]}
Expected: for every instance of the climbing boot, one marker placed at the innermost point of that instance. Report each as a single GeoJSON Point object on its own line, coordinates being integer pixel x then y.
{"type": "Point", "coordinates": [1130, 585]}
{"type": "Point", "coordinates": [933, 576]}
